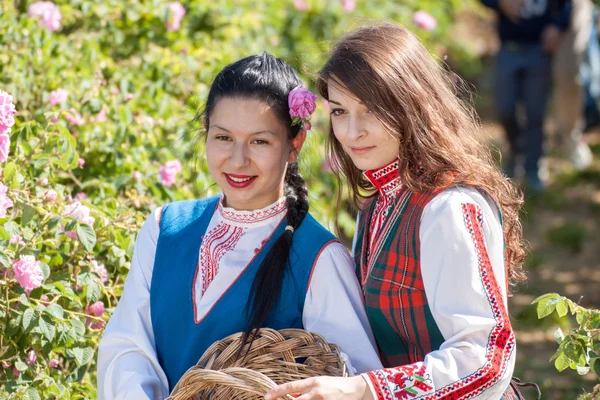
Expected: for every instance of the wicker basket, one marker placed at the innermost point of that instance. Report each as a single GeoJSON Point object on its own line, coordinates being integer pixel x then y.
{"type": "Point", "coordinates": [275, 357]}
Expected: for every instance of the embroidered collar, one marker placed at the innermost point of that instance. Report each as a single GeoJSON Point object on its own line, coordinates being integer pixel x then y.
{"type": "Point", "coordinates": [385, 179]}
{"type": "Point", "coordinates": [254, 217]}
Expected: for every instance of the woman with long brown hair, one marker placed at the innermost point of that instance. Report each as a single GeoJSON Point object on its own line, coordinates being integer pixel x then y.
{"type": "Point", "coordinates": [438, 239]}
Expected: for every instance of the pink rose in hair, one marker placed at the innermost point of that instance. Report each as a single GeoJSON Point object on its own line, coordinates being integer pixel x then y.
{"type": "Point", "coordinates": [28, 273]}
{"type": "Point", "coordinates": [302, 103]}
{"type": "Point", "coordinates": [424, 20]}
{"type": "Point", "coordinates": [48, 14]}
{"type": "Point", "coordinates": [176, 13]}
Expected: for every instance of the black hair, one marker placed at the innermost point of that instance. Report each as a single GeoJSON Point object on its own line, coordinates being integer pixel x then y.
{"type": "Point", "coordinates": [266, 78]}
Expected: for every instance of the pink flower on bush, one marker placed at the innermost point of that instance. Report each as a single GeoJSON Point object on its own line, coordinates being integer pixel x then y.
{"type": "Point", "coordinates": [301, 102]}
{"type": "Point", "coordinates": [81, 196]}
{"type": "Point", "coordinates": [48, 14]}
{"type": "Point", "coordinates": [80, 212]}
{"type": "Point", "coordinates": [301, 5]}
{"type": "Point", "coordinates": [51, 195]}
{"type": "Point", "coordinates": [137, 175]}
{"type": "Point", "coordinates": [5, 364]}
{"type": "Point", "coordinates": [16, 372]}
{"type": "Point", "coordinates": [58, 96]}
{"type": "Point", "coordinates": [168, 172]}
{"type": "Point", "coordinates": [96, 309]}
{"type": "Point", "coordinates": [424, 20]}
{"type": "Point", "coordinates": [100, 270]}
{"type": "Point", "coordinates": [43, 181]}
{"type": "Point", "coordinates": [81, 162]}
{"type": "Point", "coordinates": [16, 239]}
{"type": "Point", "coordinates": [28, 273]}
{"type": "Point", "coordinates": [5, 202]}
{"type": "Point", "coordinates": [101, 116]}
{"type": "Point", "coordinates": [44, 298]}
{"type": "Point", "coordinates": [74, 119]}
{"type": "Point", "coordinates": [349, 5]}
{"type": "Point", "coordinates": [7, 112]}
{"type": "Point", "coordinates": [176, 13]}
{"type": "Point", "coordinates": [4, 145]}
{"type": "Point", "coordinates": [31, 357]}
{"type": "Point", "coordinates": [53, 363]}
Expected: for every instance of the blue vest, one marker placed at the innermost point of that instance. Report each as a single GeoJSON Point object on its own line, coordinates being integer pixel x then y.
{"type": "Point", "coordinates": [180, 342]}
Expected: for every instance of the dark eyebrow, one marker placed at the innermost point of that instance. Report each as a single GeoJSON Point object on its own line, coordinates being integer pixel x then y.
{"type": "Point", "coordinates": [254, 133]}
{"type": "Point", "coordinates": [335, 102]}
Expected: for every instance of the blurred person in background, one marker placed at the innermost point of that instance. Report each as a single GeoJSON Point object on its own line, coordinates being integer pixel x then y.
{"type": "Point", "coordinates": [569, 94]}
{"type": "Point", "coordinates": [530, 33]}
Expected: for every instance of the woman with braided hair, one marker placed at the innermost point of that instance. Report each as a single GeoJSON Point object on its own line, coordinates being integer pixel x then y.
{"type": "Point", "coordinates": [251, 257]}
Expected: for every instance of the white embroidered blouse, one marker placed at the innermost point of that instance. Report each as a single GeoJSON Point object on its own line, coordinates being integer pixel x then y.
{"type": "Point", "coordinates": [128, 367]}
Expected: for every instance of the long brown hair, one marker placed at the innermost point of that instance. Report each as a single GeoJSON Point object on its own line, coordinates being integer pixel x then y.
{"type": "Point", "coordinates": [392, 73]}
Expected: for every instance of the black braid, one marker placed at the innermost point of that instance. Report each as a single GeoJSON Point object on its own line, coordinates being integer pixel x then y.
{"type": "Point", "coordinates": [266, 287]}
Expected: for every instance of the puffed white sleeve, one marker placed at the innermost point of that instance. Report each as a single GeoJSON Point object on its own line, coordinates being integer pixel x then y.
{"type": "Point", "coordinates": [128, 367]}
{"type": "Point", "coordinates": [463, 269]}
{"type": "Point", "coordinates": [334, 308]}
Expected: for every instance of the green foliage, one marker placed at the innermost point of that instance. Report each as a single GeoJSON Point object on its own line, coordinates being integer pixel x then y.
{"type": "Point", "coordinates": [578, 348]}
{"type": "Point", "coordinates": [132, 88]}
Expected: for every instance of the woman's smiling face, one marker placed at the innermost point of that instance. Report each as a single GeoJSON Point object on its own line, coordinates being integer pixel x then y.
{"type": "Point", "coordinates": [247, 151]}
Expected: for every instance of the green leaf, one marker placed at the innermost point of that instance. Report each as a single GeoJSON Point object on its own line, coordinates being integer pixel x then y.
{"type": "Point", "coordinates": [77, 375]}
{"type": "Point", "coordinates": [561, 363]}
{"type": "Point", "coordinates": [85, 278]}
{"type": "Point", "coordinates": [5, 260]}
{"type": "Point", "coordinates": [595, 366]}
{"type": "Point", "coordinates": [27, 318]}
{"type": "Point", "coordinates": [53, 222]}
{"type": "Point", "coordinates": [28, 213]}
{"type": "Point", "coordinates": [86, 236]}
{"type": "Point", "coordinates": [4, 235]}
{"type": "Point", "coordinates": [45, 270]}
{"type": "Point", "coordinates": [33, 394]}
{"type": "Point", "coordinates": [10, 173]}
{"type": "Point", "coordinates": [78, 328]}
{"type": "Point", "coordinates": [562, 309]}
{"type": "Point", "coordinates": [12, 228]}
{"type": "Point", "coordinates": [20, 365]}
{"type": "Point", "coordinates": [559, 335]}
{"type": "Point", "coordinates": [94, 106]}
{"type": "Point", "coordinates": [544, 308]}
{"type": "Point", "coordinates": [546, 296]}
{"type": "Point", "coordinates": [82, 355]}
{"type": "Point", "coordinates": [55, 310]}
{"type": "Point", "coordinates": [46, 328]}
{"type": "Point", "coordinates": [24, 300]}
{"type": "Point", "coordinates": [93, 292]}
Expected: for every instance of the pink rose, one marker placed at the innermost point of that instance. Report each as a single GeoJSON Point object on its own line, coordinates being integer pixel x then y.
{"type": "Point", "coordinates": [176, 13]}
{"type": "Point", "coordinates": [80, 212]}
{"type": "Point", "coordinates": [43, 181]}
{"type": "Point", "coordinates": [424, 20]}
{"type": "Point", "coordinates": [100, 270]}
{"type": "Point", "coordinates": [16, 372]}
{"type": "Point", "coordinates": [101, 116]}
{"type": "Point", "coordinates": [5, 202]}
{"type": "Point", "coordinates": [4, 145]}
{"type": "Point", "coordinates": [51, 195]}
{"type": "Point", "coordinates": [349, 5]}
{"type": "Point", "coordinates": [53, 363]}
{"type": "Point", "coordinates": [48, 14]}
{"type": "Point", "coordinates": [7, 112]}
{"type": "Point", "coordinates": [28, 273]}
{"type": "Point", "coordinates": [16, 239]}
{"type": "Point", "coordinates": [80, 196]}
{"type": "Point", "coordinates": [74, 119]}
{"type": "Point", "coordinates": [58, 96]}
{"type": "Point", "coordinates": [31, 358]}
{"type": "Point", "coordinates": [301, 102]}
{"type": "Point", "coordinates": [5, 364]}
{"type": "Point", "coordinates": [96, 309]}
{"type": "Point", "coordinates": [137, 175]}
{"type": "Point", "coordinates": [44, 298]}
{"type": "Point", "coordinates": [168, 172]}
{"type": "Point", "coordinates": [81, 162]}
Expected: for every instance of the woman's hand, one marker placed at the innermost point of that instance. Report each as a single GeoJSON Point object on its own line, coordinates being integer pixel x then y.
{"type": "Point", "coordinates": [324, 388]}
